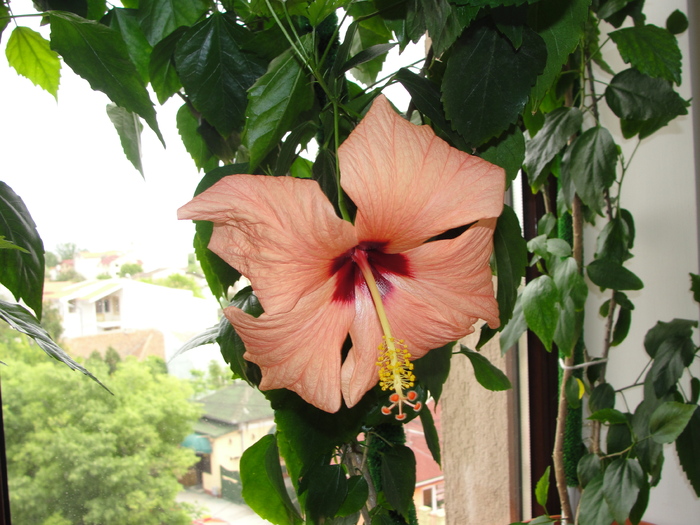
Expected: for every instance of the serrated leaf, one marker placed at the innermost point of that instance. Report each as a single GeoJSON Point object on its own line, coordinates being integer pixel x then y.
{"type": "Point", "coordinates": [669, 420]}
{"type": "Point", "coordinates": [433, 368]}
{"type": "Point", "coordinates": [540, 300]}
{"type": "Point", "coordinates": [559, 126]}
{"type": "Point", "coordinates": [398, 473]}
{"type": "Point", "coordinates": [688, 448]}
{"type": "Point", "coordinates": [488, 376]}
{"type": "Point", "coordinates": [484, 105]}
{"type": "Point", "coordinates": [621, 484]}
{"type": "Point", "coordinates": [187, 128]}
{"type": "Point", "coordinates": [161, 67]}
{"type": "Point", "coordinates": [651, 50]}
{"type": "Point", "coordinates": [432, 438]}
{"type": "Point", "coordinates": [275, 102]}
{"type": "Point", "coordinates": [442, 24]}
{"type": "Point", "coordinates": [263, 484]}
{"type": "Point", "coordinates": [508, 152]}
{"type": "Point", "coordinates": [609, 274]}
{"type": "Point", "coordinates": [126, 22]}
{"type": "Point", "coordinates": [159, 18]}
{"type": "Point", "coordinates": [8, 245]}
{"type": "Point", "coordinates": [561, 26]}
{"type": "Point", "coordinates": [216, 72]}
{"type": "Point", "coordinates": [592, 165]}
{"type": "Point", "coordinates": [327, 488]}
{"type": "Point", "coordinates": [593, 507]}
{"type": "Point", "coordinates": [23, 321]}
{"type": "Point", "coordinates": [129, 127]}
{"type": "Point", "coordinates": [357, 494]}
{"type": "Point", "coordinates": [30, 54]}
{"type": "Point", "coordinates": [99, 55]}
{"type": "Point", "coordinates": [21, 272]}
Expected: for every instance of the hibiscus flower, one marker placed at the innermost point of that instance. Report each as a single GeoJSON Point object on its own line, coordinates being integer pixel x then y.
{"type": "Point", "coordinates": [384, 280]}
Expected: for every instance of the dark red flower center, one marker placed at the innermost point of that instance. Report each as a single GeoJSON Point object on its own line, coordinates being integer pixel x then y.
{"type": "Point", "coordinates": [349, 276]}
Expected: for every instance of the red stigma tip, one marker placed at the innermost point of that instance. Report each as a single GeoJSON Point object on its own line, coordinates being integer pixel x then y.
{"type": "Point", "coordinates": [401, 416]}
{"type": "Point", "coordinates": [417, 406]}
{"type": "Point", "coordinates": [386, 411]}
{"type": "Point", "coordinates": [394, 398]}
{"type": "Point", "coordinates": [412, 395]}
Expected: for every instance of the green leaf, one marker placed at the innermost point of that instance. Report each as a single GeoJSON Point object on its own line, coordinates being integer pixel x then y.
{"type": "Point", "coordinates": [515, 327]}
{"type": "Point", "coordinates": [159, 18]}
{"type": "Point", "coordinates": [561, 26]}
{"type": "Point", "coordinates": [619, 438]}
{"type": "Point", "coordinates": [126, 22]}
{"type": "Point", "coordinates": [263, 484]}
{"type": "Point", "coordinates": [161, 67]}
{"type": "Point", "coordinates": [442, 24]}
{"type": "Point", "coordinates": [430, 432]}
{"type": "Point", "coordinates": [207, 337]}
{"type": "Point", "coordinates": [602, 397]}
{"type": "Point", "coordinates": [31, 56]}
{"type": "Point", "coordinates": [688, 448]}
{"type": "Point", "coordinates": [669, 420]}
{"type": "Point", "coordinates": [675, 329]}
{"type": "Point", "coordinates": [300, 135]}
{"type": "Point", "coordinates": [508, 152]}
{"type": "Point", "coordinates": [573, 392]}
{"type": "Point", "coordinates": [320, 9]}
{"type": "Point", "coordinates": [594, 509]}
{"type": "Point", "coordinates": [398, 473]}
{"type": "Point", "coordinates": [187, 127]}
{"type": "Point", "coordinates": [325, 492]}
{"type": "Point", "coordinates": [357, 494]}
{"type": "Point", "coordinates": [650, 49]}
{"type": "Point", "coordinates": [569, 326]}
{"type": "Point", "coordinates": [370, 32]}
{"type": "Point", "coordinates": [366, 55]}
{"type": "Point", "coordinates": [588, 467]}
{"type": "Point", "coordinates": [695, 286]}
{"type": "Point", "coordinates": [542, 488]}
{"type": "Point", "coordinates": [621, 484]}
{"type": "Point", "coordinates": [677, 22]}
{"type": "Point", "coordinates": [634, 96]}
{"type": "Point", "coordinates": [694, 390]}
{"type": "Point", "coordinates": [541, 308]}
{"type": "Point", "coordinates": [275, 102]}
{"type": "Point", "coordinates": [640, 506]}
{"type": "Point", "coordinates": [611, 7]}
{"type": "Point", "coordinates": [559, 126]}
{"type": "Point", "coordinates": [4, 17]}
{"type": "Point", "coordinates": [609, 274]}
{"type": "Point", "coordinates": [486, 374]}
{"type": "Point", "coordinates": [232, 347]}
{"type": "Point", "coordinates": [433, 368]}
{"type": "Point", "coordinates": [216, 72]}
{"type": "Point", "coordinates": [613, 241]}
{"type": "Point", "coordinates": [510, 252]}
{"type": "Point", "coordinates": [129, 127]}
{"type": "Point", "coordinates": [484, 105]}
{"type": "Point", "coordinates": [99, 55]}
{"type": "Point", "coordinates": [8, 245]}
{"type": "Point", "coordinates": [592, 164]}
{"type": "Point", "coordinates": [570, 282]}
{"type": "Point", "coordinates": [668, 366]}
{"type": "Point", "coordinates": [21, 272]}
{"type": "Point", "coordinates": [622, 326]}
{"type": "Point", "coordinates": [609, 415]}
{"type": "Point", "coordinates": [23, 321]}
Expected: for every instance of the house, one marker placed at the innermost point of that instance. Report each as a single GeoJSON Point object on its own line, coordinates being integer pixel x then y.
{"type": "Point", "coordinates": [233, 418]}
{"type": "Point", "coordinates": [93, 264]}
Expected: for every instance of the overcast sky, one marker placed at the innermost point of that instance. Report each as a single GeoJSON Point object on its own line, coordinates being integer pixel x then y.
{"type": "Point", "coordinates": [64, 159]}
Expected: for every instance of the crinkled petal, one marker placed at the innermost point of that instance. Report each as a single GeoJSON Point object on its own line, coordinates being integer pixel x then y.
{"type": "Point", "coordinates": [409, 185]}
{"type": "Point", "coordinates": [360, 372]}
{"type": "Point", "coordinates": [280, 232]}
{"type": "Point", "coordinates": [450, 289]}
{"type": "Point", "coordinates": [301, 349]}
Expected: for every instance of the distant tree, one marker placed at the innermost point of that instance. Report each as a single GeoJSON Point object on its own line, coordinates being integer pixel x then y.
{"type": "Point", "coordinates": [80, 455]}
{"type": "Point", "coordinates": [69, 274]}
{"type": "Point", "coordinates": [130, 269]}
{"type": "Point", "coordinates": [104, 276]}
{"type": "Point", "coordinates": [219, 376]}
{"type": "Point", "coordinates": [182, 282]}
{"type": "Point", "coordinates": [112, 358]}
{"type": "Point", "coordinates": [66, 250]}
{"type": "Point", "coordinates": [193, 265]}
{"type": "Point", "coordinates": [52, 321]}
{"type": "Point", "coordinates": [51, 259]}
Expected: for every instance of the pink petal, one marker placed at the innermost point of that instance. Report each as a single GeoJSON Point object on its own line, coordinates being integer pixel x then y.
{"type": "Point", "coordinates": [300, 349]}
{"type": "Point", "coordinates": [280, 232]}
{"type": "Point", "coordinates": [409, 185]}
{"type": "Point", "coordinates": [451, 287]}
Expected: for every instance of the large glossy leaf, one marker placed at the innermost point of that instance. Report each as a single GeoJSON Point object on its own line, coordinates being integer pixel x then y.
{"type": "Point", "coordinates": [669, 420]}
{"type": "Point", "coordinates": [263, 484]}
{"type": "Point", "coordinates": [676, 329]}
{"type": "Point", "coordinates": [488, 376]}
{"type": "Point", "coordinates": [32, 57]}
{"type": "Point", "coordinates": [609, 274]}
{"type": "Point", "coordinates": [430, 432]}
{"type": "Point", "coordinates": [592, 165]}
{"type": "Point", "coordinates": [634, 96]}
{"type": "Point", "coordinates": [99, 55]}
{"type": "Point", "coordinates": [216, 72]}
{"type": "Point", "coordinates": [588, 467]}
{"type": "Point", "coordinates": [23, 321]}
{"type": "Point", "coordinates": [622, 481]}
{"type": "Point", "coordinates": [127, 23]}
{"type": "Point", "coordinates": [560, 24]}
{"type": "Point", "coordinates": [508, 152]}
{"type": "Point", "coordinates": [275, 102]}
{"type": "Point", "coordinates": [21, 272]}
{"type": "Point", "coordinates": [442, 24]}
{"type": "Point", "coordinates": [433, 368]}
{"type": "Point", "coordinates": [326, 489]}
{"type": "Point", "coordinates": [196, 146]}
{"type": "Point", "coordinates": [159, 18]}
{"type": "Point", "coordinates": [515, 327]}
{"type": "Point", "coordinates": [650, 49]}
{"type": "Point", "coordinates": [688, 448]}
{"type": "Point", "coordinates": [481, 106]}
{"type": "Point", "coordinates": [667, 367]}
{"type": "Point", "coordinates": [559, 126]}
{"type": "Point", "coordinates": [594, 509]}
{"type": "Point", "coordinates": [510, 251]}
{"type": "Point", "coordinates": [541, 308]}
{"type": "Point", "coordinates": [129, 127]}
{"type": "Point", "coordinates": [161, 67]}
{"type": "Point", "coordinates": [399, 477]}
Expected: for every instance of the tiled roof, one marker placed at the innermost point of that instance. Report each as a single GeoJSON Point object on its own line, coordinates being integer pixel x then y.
{"type": "Point", "coordinates": [139, 343]}
{"type": "Point", "coordinates": [89, 290]}
{"type": "Point", "coordinates": [236, 404]}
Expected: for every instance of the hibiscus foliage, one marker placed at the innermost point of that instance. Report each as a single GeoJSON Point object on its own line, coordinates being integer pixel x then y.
{"type": "Point", "coordinates": [511, 82]}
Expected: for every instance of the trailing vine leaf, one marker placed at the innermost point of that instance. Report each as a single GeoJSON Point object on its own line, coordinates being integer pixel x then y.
{"type": "Point", "coordinates": [263, 484]}
{"type": "Point", "coordinates": [275, 102]}
{"type": "Point", "coordinates": [488, 376]}
{"type": "Point", "coordinates": [23, 321]}
{"type": "Point", "coordinates": [98, 54]}
{"type": "Point", "coordinates": [30, 54]}
{"type": "Point", "coordinates": [398, 473]}
{"type": "Point", "coordinates": [484, 105]}
{"type": "Point", "coordinates": [127, 23]}
{"type": "Point", "coordinates": [541, 308]}
{"type": "Point", "coordinates": [21, 271]}
{"type": "Point", "coordinates": [128, 126]}
{"type": "Point", "coordinates": [621, 484]}
{"type": "Point", "coordinates": [216, 72]}
{"type": "Point", "coordinates": [650, 49]}
{"type": "Point", "coordinates": [159, 18]}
